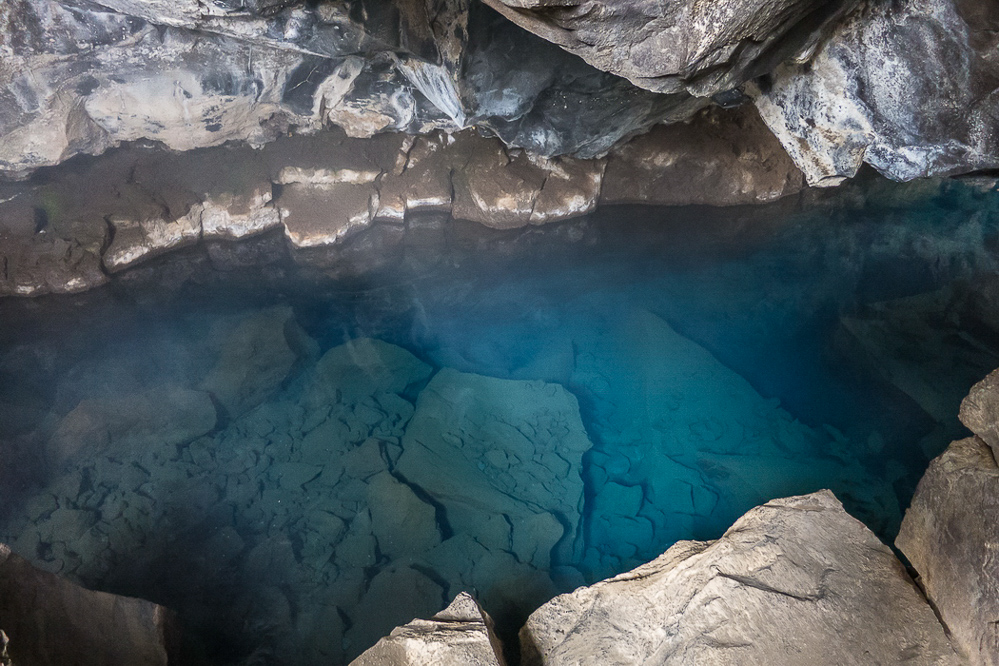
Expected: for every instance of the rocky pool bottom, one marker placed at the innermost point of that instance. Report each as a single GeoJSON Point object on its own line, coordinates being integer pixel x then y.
{"type": "Point", "coordinates": [297, 460]}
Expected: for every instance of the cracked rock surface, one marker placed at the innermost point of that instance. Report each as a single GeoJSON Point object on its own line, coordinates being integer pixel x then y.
{"type": "Point", "coordinates": [949, 531]}
{"type": "Point", "coordinates": [793, 581]}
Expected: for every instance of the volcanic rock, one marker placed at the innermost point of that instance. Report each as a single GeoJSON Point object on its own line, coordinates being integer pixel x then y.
{"type": "Point", "coordinates": [794, 581]}
{"type": "Point", "coordinates": [460, 634]}
{"type": "Point", "coordinates": [949, 534]}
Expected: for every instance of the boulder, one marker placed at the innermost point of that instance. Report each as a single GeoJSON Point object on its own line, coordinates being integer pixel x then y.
{"type": "Point", "coordinates": [949, 535]}
{"type": "Point", "coordinates": [486, 447]}
{"type": "Point", "coordinates": [908, 87]}
{"type": "Point", "coordinates": [980, 411]}
{"type": "Point", "coordinates": [460, 635]}
{"type": "Point", "coordinates": [699, 48]}
{"type": "Point", "coordinates": [52, 622]}
{"type": "Point", "coordinates": [117, 425]}
{"type": "Point", "coordinates": [256, 353]}
{"type": "Point", "coordinates": [794, 581]}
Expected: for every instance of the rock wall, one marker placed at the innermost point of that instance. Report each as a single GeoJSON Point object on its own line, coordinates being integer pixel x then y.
{"type": "Point", "coordinates": [908, 86]}
{"type": "Point", "coordinates": [77, 228]}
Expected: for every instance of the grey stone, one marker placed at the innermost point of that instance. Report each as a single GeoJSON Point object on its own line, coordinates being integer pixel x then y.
{"type": "Point", "coordinates": [461, 634]}
{"type": "Point", "coordinates": [403, 524]}
{"type": "Point", "coordinates": [461, 417]}
{"type": "Point", "coordinates": [908, 87]}
{"type": "Point", "coordinates": [50, 621]}
{"type": "Point", "coordinates": [255, 357]}
{"type": "Point", "coordinates": [980, 410]}
{"type": "Point", "coordinates": [700, 48]}
{"type": "Point", "coordinates": [360, 368]}
{"type": "Point", "coordinates": [794, 581]}
{"type": "Point", "coordinates": [949, 534]}
{"type": "Point", "coordinates": [121, 424]}
{"type": "Point", "coordinates": [395, 596]}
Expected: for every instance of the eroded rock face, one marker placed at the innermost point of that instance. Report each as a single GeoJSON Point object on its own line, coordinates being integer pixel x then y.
{"type": "Point", "coordinates": [949, 534]}
{"type": "Point", "coordinates": [794, 581]}
{"type": "Point", "coordinates": [50, 621]}
{"type": "Point", "coordinates": [908, 87]}
{"type": "Point", "coordinates": [699, 48]}
{"type": "Point", "coordinates": [460, 634]}
{"type": "Point", "coordinates": [191, 74]}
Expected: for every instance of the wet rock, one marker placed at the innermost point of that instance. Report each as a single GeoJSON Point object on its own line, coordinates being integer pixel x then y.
{"type": "Point", "coordinates": [138, 239]}
{"type": "Point", "coordinates": [703, 49]}
{"type": "Point", "coordinates": [718, 158]}
{"type": "Point", "coordinates": [49, 620]}
{"type": "Point", "coordinates": [948, 535]}
{"type": "Point", "coordinates": [907, 87]}
{"type": "Point", "coordinates": [504, 189]}
{"type": "Point", "coordinates": [395, 596]}
{"type": "Point", "coordinates": [980, 410]}
{"type": "Point", "coordinates": [404, 524]}
{"type": "Point", "coordinates": [363, 367]}
{"type": "Point", "coordinates": [49, 245]}
{"type": "Point", "coordinates": [256, 355]}
{"type": "Point", "coordinates": [123, 424]}
{"type": "Point", "coordinates": [460, 634]}
{"type": "Point", "coordinates": [503, 458]}
{"type": "Point", "coordinates": [795, 580]}
{"type": "Point", "coordinates": [236, 215]}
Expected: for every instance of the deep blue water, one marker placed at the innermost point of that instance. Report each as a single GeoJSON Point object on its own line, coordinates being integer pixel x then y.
{"type": "Point", "coordinates": [297, 461]}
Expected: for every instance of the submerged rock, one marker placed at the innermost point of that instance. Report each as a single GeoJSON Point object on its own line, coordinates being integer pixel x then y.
{"type": "Point", "coordinates": [949, 534]}
{"type": "Point", "coordinates": [503, 459]}
{"type": "Point", "coordinates": [461, 634]}
{"type": "Point", "coordinates": [793, 581]}
{"type": "Point", "coordinates": [122, 424]}
{"type": "Point", "coordinates": [52, 622]}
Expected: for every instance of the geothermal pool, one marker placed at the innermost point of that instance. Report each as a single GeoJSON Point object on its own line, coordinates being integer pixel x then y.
{"type": "Point", "coordinates": [297, 460]}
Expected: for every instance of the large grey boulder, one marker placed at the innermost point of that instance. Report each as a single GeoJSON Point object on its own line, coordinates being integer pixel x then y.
{"type": "Point", "coordinates": [703, 48]}
{"type": "Point", "coordinates": [461, 634]}
{"type": "Point", "coordinates": [949, 534]}
{"type": "Point", "coordinates": [52, 622]}
{"type": "Point", "coordinates": [909, 87]}
{"type": "Point", "coordinates": [980, 410]}
{"type": "Point", "coordinates": [795, 581]}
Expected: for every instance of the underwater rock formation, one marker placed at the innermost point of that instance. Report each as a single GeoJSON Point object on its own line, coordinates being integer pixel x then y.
{"type": "Point", "coordinates": [51, 622]}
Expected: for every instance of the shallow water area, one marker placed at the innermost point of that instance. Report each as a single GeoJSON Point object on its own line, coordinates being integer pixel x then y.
{"type": "Point", "coordinates": [298, 459]}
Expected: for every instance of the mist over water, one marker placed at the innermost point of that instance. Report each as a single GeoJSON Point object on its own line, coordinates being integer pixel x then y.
{"type": "Point", "coordinates": [297, 460]}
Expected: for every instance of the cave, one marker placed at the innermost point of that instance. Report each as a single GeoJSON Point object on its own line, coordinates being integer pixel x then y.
{"type": "Point", "coordinates": [386, 332]}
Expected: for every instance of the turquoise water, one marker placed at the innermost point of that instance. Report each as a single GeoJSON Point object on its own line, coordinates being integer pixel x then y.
{"type": "Point", "coordinates": [296, 460]}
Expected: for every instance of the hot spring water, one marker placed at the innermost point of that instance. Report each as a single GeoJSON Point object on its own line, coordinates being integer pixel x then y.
{"type": "Point", "coordinates": [297, 463]}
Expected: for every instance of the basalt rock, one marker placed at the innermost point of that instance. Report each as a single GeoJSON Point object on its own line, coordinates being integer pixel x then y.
{"type": "Point", "coordinates": [980, 410]}
{"type": "Point", "coordinates": [703, 49]}
{"type": "Point", "coordinates": [910, 87]}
